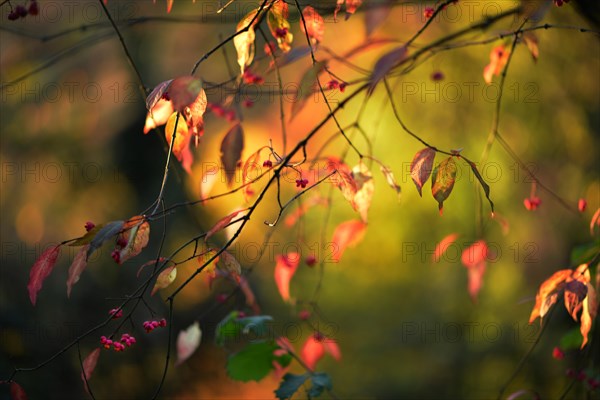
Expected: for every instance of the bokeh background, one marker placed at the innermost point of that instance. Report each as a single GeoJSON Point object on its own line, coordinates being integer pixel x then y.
{"type": "Point", "coordinates": [73, 151]}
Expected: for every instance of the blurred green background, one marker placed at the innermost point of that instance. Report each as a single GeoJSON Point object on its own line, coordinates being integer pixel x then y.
{"type": "Point", "coordinates": [73, 151]}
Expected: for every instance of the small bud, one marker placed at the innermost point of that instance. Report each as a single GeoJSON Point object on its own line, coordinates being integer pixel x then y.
{"type": "Point", "coordinates": [557, 353]}
{"type": "Point", "coordinates": [437, 76]}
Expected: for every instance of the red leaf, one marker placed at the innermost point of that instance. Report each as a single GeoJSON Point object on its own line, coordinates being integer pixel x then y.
{"type": "Point", "coordinates": [442, 246]}
{"type": "Point", "coordinates": [475, 254]}
{"type": "Point", "coordinates": [169, 5]}
{"type": "Point", "coordinates": [17, 392]}
{"type": "Point", "coordinates": [421, 167]}
{"type": "Point", "coordinates": [89, 364]}
{"type": "Point", "coordinates": [442, 181]}
{"type": "Point", "coordinates": [315, 27]}
{"type": "Point", "coordinates": [347, 234]}
{"type": "Point", "coordinates": [332, 348]}
{"type": "Point", "coordinates": [41, 270]}
{"type": "Point", "coordinates": [183, 91]}
{"type": "Point", "coordinates": [312, 351]}
{"type": "Point", "coordinates": [385, 64]}
{"type": "Point", "coordinates": [187, 342]}
{"type": "Point", "coordinates": [285, 268]}
{"type": "Point", "coordinates": [76, 268]}
{"type": "Point", "coordinates": [222, 223]}
{"type": "Point", "coordinates": [231, 151]}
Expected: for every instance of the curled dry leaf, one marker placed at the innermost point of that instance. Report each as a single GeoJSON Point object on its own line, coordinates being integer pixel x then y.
{"type": "Point", "coordinates": [187, 342]}
{"type": "Point", "coordinates": [347, 234]}
{"type": "Point", "coordinates": [40, 270]}
{"type": "Point", "coordinates": [133, 238]}
{"type": "Point", "coordinates": [244, 41]}
{"type": "Point", "coordinates": [164, 279]}
{"type": "Point", "coordinates": [285, 268]}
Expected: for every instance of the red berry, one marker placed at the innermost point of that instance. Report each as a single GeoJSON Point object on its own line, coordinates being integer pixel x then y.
{"type": "Point", "coordinates": [241, 314]}
{"type": "Point", "coordinates": [333, 84]}
{"type": "Point", "coordinates": [268, 164]}
{"type": "Point", "coordinates": [33, 8]}
{"type": "Point", "coordinates": [557, 353]}
{"type": "Point", "coordinates": [248, 103]}
{"type": "Point", "coordinates": [89, 226]}
{"type": "Point", "coordinates": [13, 16]}
{"type": "Point", "coordinates": [304, 315]}
{"type": "Point", "coordinates": [116, 255]}
{"type": "Point", "coordinates": [343, 86]}
{"type": "Point", "coordinates": [221, 298]}
{"type": "Point", "coordinates": [318, 336]}
{"type": "Point", "coordinates": [162, 323]}
{"type": "Point", "coordinates": [281, 32]}
{"type": "Point", "coordinates": [594, 383]}
{"type": "Point", "coordinates": [428, 12]}
{"type": "Point", "coordinates": [581, 205]}
{"type": "Point", "coordinates": [532, 203]}
{"type": "Point", "coordinates": [437, 76]}
{"type": "Point", "coordinates": [311, 260]}
{"type": "Point", "coordinates": [21, 11]}
{"type": "Point", "coordinates": [116, 313]}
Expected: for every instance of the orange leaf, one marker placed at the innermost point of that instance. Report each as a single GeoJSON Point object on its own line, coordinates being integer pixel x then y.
{"type": "Point", "coordinates": [164, 279]}
{"type": "Point", "coordinates": [347, 234]}
{"type": "Point", "coordinates": [244, 42]}
{"type": "Point", "coordinates": [133, 238]}
{"type": "Point", "coordinates": [590, 311]}
{"type": "Point", "coordinates": [182, 137]}
{"type": "Point", "coordinates": [474, 259]}
{"type": "Point", "coordinates": [391, 181]}
{"type": "Point", "coordinates": [89, 364]}
{"type": "Point", "coordinates": [76, 268]}
{"type": "Point", "coordinates": [351, 6]}
{"type": "Point", "coordinates": [315, 27]}
{"type": "Point", "coordinates": [442, 246]}
{"type": "Point", "coordinates": [546, 295]}
{"type": "Point", "coordinates": [595, 221]}
{"type": "Point", "coordinates": [421, 167]}
{"type": "Point", "coordinates": [279, 25]}
{"type": "Point", "coordinates": [312, 351]}
{"type": "Point", "coordinates": [498, 59]}
{"type": "Point", "coordinates": [222, 223]}
{"type": "Point", "coordinates": [332, 348]}
{"type": "Point", "coordinates": [531, 41]}
{"type": "Point", "coordinates": [285, 268]}
{"type": "Point", "coordinates": [41, 270]}
{"type": "Point", "coordinates": [365, 187]}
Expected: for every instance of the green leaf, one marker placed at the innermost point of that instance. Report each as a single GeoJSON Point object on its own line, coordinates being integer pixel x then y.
{"type": "Point", "coordinates": [232, 327]}
{"type": "Point", "coordinates": [571, 340]}
{"type": "Point", "coordinates": [320, 382]}
{"type": "Point", "coordinates": [442, 181]}
{"type": "Point", "coordinates": [290, 385]}
{"type": "Point", "coordinates": [109, 230]}
{"type": "Point", "coordinates": [253, 362]}
{"type": "Point", "coordinates": [584, 253]}
{"type": "Point", "coordinates": [228, 328]}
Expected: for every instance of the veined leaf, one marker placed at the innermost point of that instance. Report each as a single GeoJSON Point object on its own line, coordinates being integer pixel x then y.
{"type": "Point", "coordinates": [76, 268]}
{"type": "Point", "coordinates": [442, 181]}
{"type": "Point", "coordinates": [41, 270]}
{"type": "Point", "coordinates": [421, 167]}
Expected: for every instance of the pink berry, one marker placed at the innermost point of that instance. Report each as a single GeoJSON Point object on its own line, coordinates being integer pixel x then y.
{"type": "Point", "coordinates": [557, 353]}
{"type": "Point", "coordinates": [437, 76]}
{"type": "Point", "coordinates": [89, 226]}
{"type": "Point", "coordinates": [281, 32]}
{"type": "Point", "coordinates": [311, 260]}
{"type": "Point", "coordinates": [343, 86]}
{"type": "Point", "coordinates": [428, 12]}
{"type": "Point", "coordinates": [268, 164]}
{"type": "Point", "coordinates": [116, 255]}
{"type": "Point", "coordinates": [582, 205]}
{"type": "Point", "coordinates": [162, 323]}
{"type": "Point", "coordinates": [304, 315]}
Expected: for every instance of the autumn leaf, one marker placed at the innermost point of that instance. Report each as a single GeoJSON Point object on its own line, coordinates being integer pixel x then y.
{"type": "Point", "coordinates": [351, 6]}
{"type": "Point", "coordinates": [251, 164]}
{"type": "Point", "coordinates": [474, 258]}
{"type": "Point", "coordinates": [89, 365]}
{"type": "Point", "coordinates": [222, 223]}
{"type": "Point", "coordinates": [279, 25]}
{"type": "Point", "coordinates": [187, 342]}
{"type": "Point", "coordinates": [182, 136]}
{"type": "Point", "coordinates": [498, 58]}
{"type": "Point", "coordinates": [151, 262]}
{"type": "Point", "coordinates": [157, 94]}
{"type": "Point", "coordinates": [158, 115]}
{"type": "Point", "coordinates": [41, 270]}
{"type": "Point", "coordinates": [308, 85]}
{"type": "Point", "coordinates": [164, 279]}
{"type": "Point", "coordinates": [385, 64]}
{"type": "Point", "coordinates": [595, 221]}
{"type": "Point", "coordinates": [194, 113]}
{"type": "Point", "coordinates": [365, 186]}
{"type": "Point", "coordinates": [169, 5]}
{"type": "Point", "coordinates": [421, 167]}
{"type": "Point", "coordinates": [285, 268]}
{"type": "Point", "coordinates": [183, 92]}
{"type": "Point", "coordinates": [17, 392]}
{"type": "Point", "coordinates": [133, 238]}
{"type": "Point", "coordinates": [548, 292]}
{"type": "Point", "coordinates": [244, 41]}
{"type": "Point", "coordinates": [315, 26]}
{"type": "Point", "coordinates": [229, 264]}
{"type": "Point", "coordinates": [315, 347]}
{"type": "Point", "coordinates": [77, 266]}
{"type": "Point", "coordinates": [88, 237]}
{"type": "Point", "coordinates": [106, 232]}
{"type": "Point", "coordinates": [390, 179]}
{"type": "Point", "coordinates": [442, 181]}
{"type": "Point", "coordinates": [231, 151]}
{"type": "Point", "coordinates": [443, 245]}
{"type": "Point", "coordinates": [531, 41]}
{"type": "Point", "coordinates": [347, 234]}
{"type": "Point", "coordinates": [589, 312]}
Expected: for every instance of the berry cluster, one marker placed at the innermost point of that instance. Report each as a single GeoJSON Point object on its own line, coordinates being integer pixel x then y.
{"type": "Point", "coordinates": [21, 11]}
{"type": "Point", "coordinates": [221, 111]}
{"type": "Point", "coordinates": [281, 33]}
{"type": "Point", "coordinates": [126, 341]}
{"type": "Point", "coordinates": [335, 84]}
{"type": "Point", "coordinates": [301, 183]}
{"type": "Point", "coordinates": [149, 326]}
{"type": "Point", "coordinates": [268, 164]}
{"type": "Point", "coordinates": [532, 203]}
{"type": "Point", "coordinates": [252, 78]}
